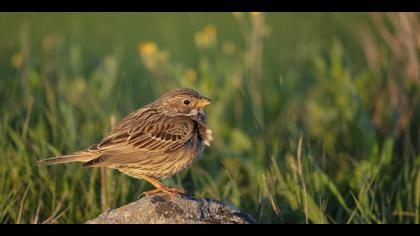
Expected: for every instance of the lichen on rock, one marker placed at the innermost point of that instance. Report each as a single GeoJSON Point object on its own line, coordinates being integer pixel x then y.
{"type": "Point", "coordinates": [174, 209]}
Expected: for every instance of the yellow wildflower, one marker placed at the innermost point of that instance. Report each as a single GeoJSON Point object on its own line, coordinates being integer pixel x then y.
{"type": "Point", "coordinates": [207, 37]}
{"type": "Point", "coordinates": [17, 60]}
{"type": "Point", "coordinates": [147, 48]}
{"type": "Point", "coordinates": [255, 14]}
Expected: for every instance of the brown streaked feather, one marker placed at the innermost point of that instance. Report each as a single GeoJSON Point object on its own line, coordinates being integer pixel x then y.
{"type": "Point", "coordinates": [167, 164]}
{"type": "Point", "coordinates": [82, 156]}
{"type": "Point", "coordinates": [150, 138]}
{"type": "Point", "coordinates": [99, 159]}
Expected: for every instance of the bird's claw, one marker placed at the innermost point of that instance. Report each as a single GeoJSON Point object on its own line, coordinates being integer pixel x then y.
{"type": "Point", "coordinates": [165, 190]}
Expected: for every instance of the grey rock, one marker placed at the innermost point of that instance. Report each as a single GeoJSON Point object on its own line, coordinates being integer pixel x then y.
{"type": "Point", "coordinates": [173, 209]}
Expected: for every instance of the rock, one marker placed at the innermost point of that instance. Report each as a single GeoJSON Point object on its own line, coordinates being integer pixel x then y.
{"type": "Point", "coordinates": [173, 209]}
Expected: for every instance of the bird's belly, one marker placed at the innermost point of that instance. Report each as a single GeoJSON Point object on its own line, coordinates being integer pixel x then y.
{"type": "Point", "coordinates": [175, 167]}
{"type": "Point", "coordinates": [165, 165]}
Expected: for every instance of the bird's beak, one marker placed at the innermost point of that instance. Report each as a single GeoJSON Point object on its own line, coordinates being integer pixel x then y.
{"type": "Point", "coordinates": [203, 102]}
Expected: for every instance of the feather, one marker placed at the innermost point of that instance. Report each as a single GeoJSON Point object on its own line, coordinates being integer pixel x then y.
{"type": "Point", "coordinates": [76, 157]}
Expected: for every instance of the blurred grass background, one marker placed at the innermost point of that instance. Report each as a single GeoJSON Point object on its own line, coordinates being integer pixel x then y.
{"type": "Point", "coordinates": [315, 115]}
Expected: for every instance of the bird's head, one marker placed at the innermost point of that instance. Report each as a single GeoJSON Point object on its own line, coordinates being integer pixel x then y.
{"type": "Point", "coordinates": [183, 101]}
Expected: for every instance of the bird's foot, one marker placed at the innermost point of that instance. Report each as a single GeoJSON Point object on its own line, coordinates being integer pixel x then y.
{"type": "Point", "coordinates": [165, 190]}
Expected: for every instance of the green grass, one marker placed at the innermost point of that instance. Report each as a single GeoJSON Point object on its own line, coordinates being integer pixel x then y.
{"type": "Point", "coordinates": [315, 116]}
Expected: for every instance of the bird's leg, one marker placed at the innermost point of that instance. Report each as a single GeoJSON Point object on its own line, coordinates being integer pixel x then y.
{"type": "Point", "coordinates": [160, 187]}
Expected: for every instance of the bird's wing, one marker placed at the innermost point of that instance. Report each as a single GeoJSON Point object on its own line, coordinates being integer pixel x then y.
{"type": "Point", "coordinates": [142, 136]}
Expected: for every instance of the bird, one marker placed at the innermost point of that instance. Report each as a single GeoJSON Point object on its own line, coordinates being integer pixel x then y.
{"type": "Point", "coordinates": [157, 141]}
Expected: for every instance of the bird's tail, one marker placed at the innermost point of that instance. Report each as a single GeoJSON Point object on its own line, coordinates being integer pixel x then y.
{"type": "Point", "coordinates": [76, 157]}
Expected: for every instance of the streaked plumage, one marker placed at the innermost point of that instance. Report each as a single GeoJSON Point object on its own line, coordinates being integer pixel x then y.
{"type": "Point", "coordinates": [157, 141]}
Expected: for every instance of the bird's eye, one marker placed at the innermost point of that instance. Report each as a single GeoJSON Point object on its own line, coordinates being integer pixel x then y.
{"type": "Point", "coordinates": [186, 102]}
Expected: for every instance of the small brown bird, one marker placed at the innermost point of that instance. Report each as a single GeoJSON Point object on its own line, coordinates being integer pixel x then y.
{"type": "Point", "coordinates": [155, 142]}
